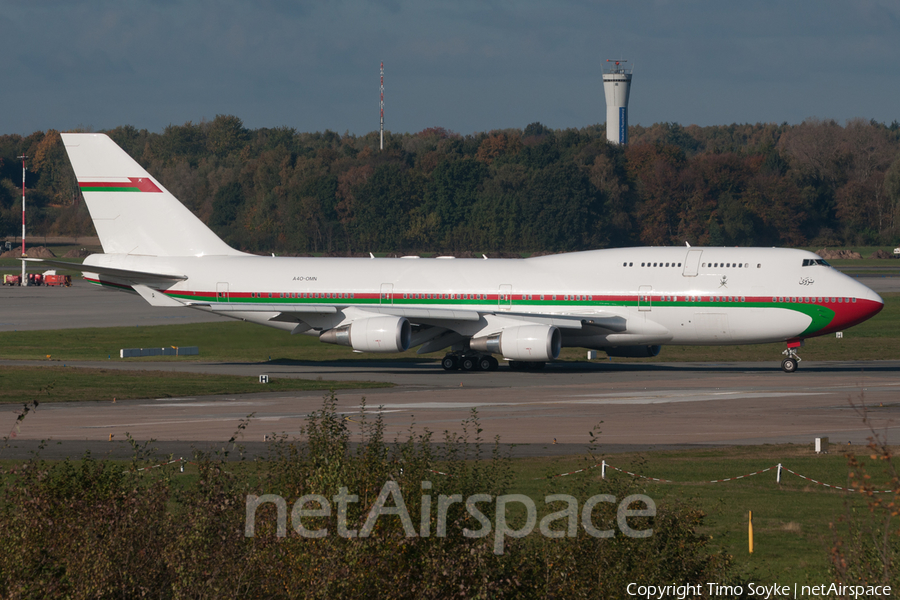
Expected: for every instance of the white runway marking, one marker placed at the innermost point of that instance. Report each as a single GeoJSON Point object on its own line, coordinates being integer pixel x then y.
{"type": "Point", "coordinates": [174, 399]}
{"type": "Point", "coordinates": [439, 405]}
{"type": "Point", "coordinates": [205, 404]}
{"type": "Point", "coordinates": [673, 397]}
{"type": "Point", "coordinates": [147, 424]}
{"type": "Point", "coordinates": [649, 398]}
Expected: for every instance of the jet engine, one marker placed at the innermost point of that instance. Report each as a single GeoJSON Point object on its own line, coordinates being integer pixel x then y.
{"type": "Point", "coordinates": [374, 334]}
{"type": "Point", "coordinates": [633, 351]}
{"type": "Point", "coordinates": [527, 343]}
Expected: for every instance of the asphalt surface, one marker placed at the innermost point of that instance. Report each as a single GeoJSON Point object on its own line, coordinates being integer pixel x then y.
{"type": "Point", "coordinates": [84, 305]}
{"type": "Point", "coordinates": [634, 406]}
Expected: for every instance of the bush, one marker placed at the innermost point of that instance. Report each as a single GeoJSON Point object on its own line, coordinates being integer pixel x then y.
{"type": "Point", "coordinates": [99, 530]}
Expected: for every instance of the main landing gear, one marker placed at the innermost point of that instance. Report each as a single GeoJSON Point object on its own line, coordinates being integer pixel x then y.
{"type": "Point", "coordinates": [473, 361]}
{"type": "Point", "coordinates": [469, 361]}
{"type": "Point", "coordinates": [790, 364]}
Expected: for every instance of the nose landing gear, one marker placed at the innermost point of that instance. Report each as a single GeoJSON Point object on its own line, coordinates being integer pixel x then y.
{"type": "Point", "coordinates": [792, 362]}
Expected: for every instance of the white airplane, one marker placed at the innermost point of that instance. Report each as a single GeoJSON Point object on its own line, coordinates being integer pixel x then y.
{"type": "Point", "coordinates": [624, 301]}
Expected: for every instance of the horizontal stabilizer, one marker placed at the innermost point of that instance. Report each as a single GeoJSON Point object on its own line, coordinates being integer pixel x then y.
{"type": "Point", "coordinates": [156, 298]}
{"type": "Point", "coordinates": [134, 277]}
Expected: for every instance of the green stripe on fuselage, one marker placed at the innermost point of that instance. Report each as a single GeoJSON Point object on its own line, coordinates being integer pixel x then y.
{"type": "Point", "coordinates": [820, 316]}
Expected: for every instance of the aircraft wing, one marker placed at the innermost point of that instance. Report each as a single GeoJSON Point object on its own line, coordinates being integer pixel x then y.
{"type": "Point", "coordinates": [417, 315]}
{"type": "Point", "coordinates": [226, 307]}
{"type": "Point", "coordinates": [604, 320]}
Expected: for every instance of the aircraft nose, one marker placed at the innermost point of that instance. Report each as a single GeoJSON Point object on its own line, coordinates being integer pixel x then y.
{"type": "Point", "coordinates": [871, 301]}
{"type": "Point", "coordinates": [874, 303]}
{"type": "Point", "coordinates": [873, 297]}
{"type": "Point", "coordinates": [864, 306]}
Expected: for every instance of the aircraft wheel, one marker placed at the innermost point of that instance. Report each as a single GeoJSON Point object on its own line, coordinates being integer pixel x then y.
{"type": "Point", "coordinates": [495, 364]}
{"type": "Point", "coordinates": [468, 364]}
{"type": "Point", "coordinates": [536, 366]}
{"type": "Point", "coordinates": [450, 363]}
{"type": "Point", "coordinates": [516, 365]}
{"type": "Point", "coordinates": [789, 365]}
{"type": "Point", "coordinates": [484, 363]}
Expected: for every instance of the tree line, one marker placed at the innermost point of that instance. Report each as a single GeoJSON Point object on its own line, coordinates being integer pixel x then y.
{"type": "Point", "coordinates": [505, 191]}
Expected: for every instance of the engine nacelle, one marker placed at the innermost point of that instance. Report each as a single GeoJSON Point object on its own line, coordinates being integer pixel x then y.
{"type": "Point", "coordinates": [633, 351]}
{"type": "Point", "coordinates": [374, 334]}
{"type": "Point", "coordinates": [528, 342]}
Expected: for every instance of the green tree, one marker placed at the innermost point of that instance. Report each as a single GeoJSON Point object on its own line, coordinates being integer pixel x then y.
{"type": "Point", "coordinates": [451, 194]}
{"type": "Point", "coordinates": [226, 134]}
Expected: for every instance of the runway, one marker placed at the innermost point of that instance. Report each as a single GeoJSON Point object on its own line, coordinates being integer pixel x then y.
{"type": "Point", "coordinates": [635, 406]}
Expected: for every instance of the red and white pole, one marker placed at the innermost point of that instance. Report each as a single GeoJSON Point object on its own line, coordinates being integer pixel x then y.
{"type": "Point", "coordinates": [382, 105]}
{"type": "Point", "coordinates": [24, 280]}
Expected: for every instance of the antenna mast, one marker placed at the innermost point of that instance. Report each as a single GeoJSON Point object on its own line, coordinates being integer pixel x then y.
{"type": "Point", "coordinates": [23, 281]}
{"type": "Point", "coordinates": [382, 105]}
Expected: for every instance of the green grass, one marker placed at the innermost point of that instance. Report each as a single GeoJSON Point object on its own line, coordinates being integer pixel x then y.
{"type": "Point", "coordinates": [225, 341]}
{"type": "Point", "coordinates": [790, 520]}
{"type": "Point", "coordinates": [72, 384]}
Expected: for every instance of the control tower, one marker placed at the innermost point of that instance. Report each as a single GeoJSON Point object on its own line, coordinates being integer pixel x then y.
{"type": "Point", "coordinates": [617, 85]}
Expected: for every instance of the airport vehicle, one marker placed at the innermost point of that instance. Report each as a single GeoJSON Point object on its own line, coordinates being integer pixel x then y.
{"type": "Point", "coordinates": [12, 280]}
{"type": "Point", "coordinates": [625, 301]}
{"type": "Point", "coordinates": [52, 279]}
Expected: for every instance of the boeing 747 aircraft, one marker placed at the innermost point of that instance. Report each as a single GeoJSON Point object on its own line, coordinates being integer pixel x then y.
{"type": "Point", "coordinates": [624, 301]}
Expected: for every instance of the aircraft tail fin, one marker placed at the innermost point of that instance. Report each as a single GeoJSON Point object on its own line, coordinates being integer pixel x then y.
{"type": "Point", "coordinates": [132, 212]}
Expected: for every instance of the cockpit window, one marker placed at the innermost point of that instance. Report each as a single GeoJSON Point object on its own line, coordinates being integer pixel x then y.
{"type": "Point", "coordinates": [811, 262]}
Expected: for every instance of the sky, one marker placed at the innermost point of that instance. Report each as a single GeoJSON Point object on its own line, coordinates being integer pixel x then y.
{"type": "Point", "coordinates": [465, 65]}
